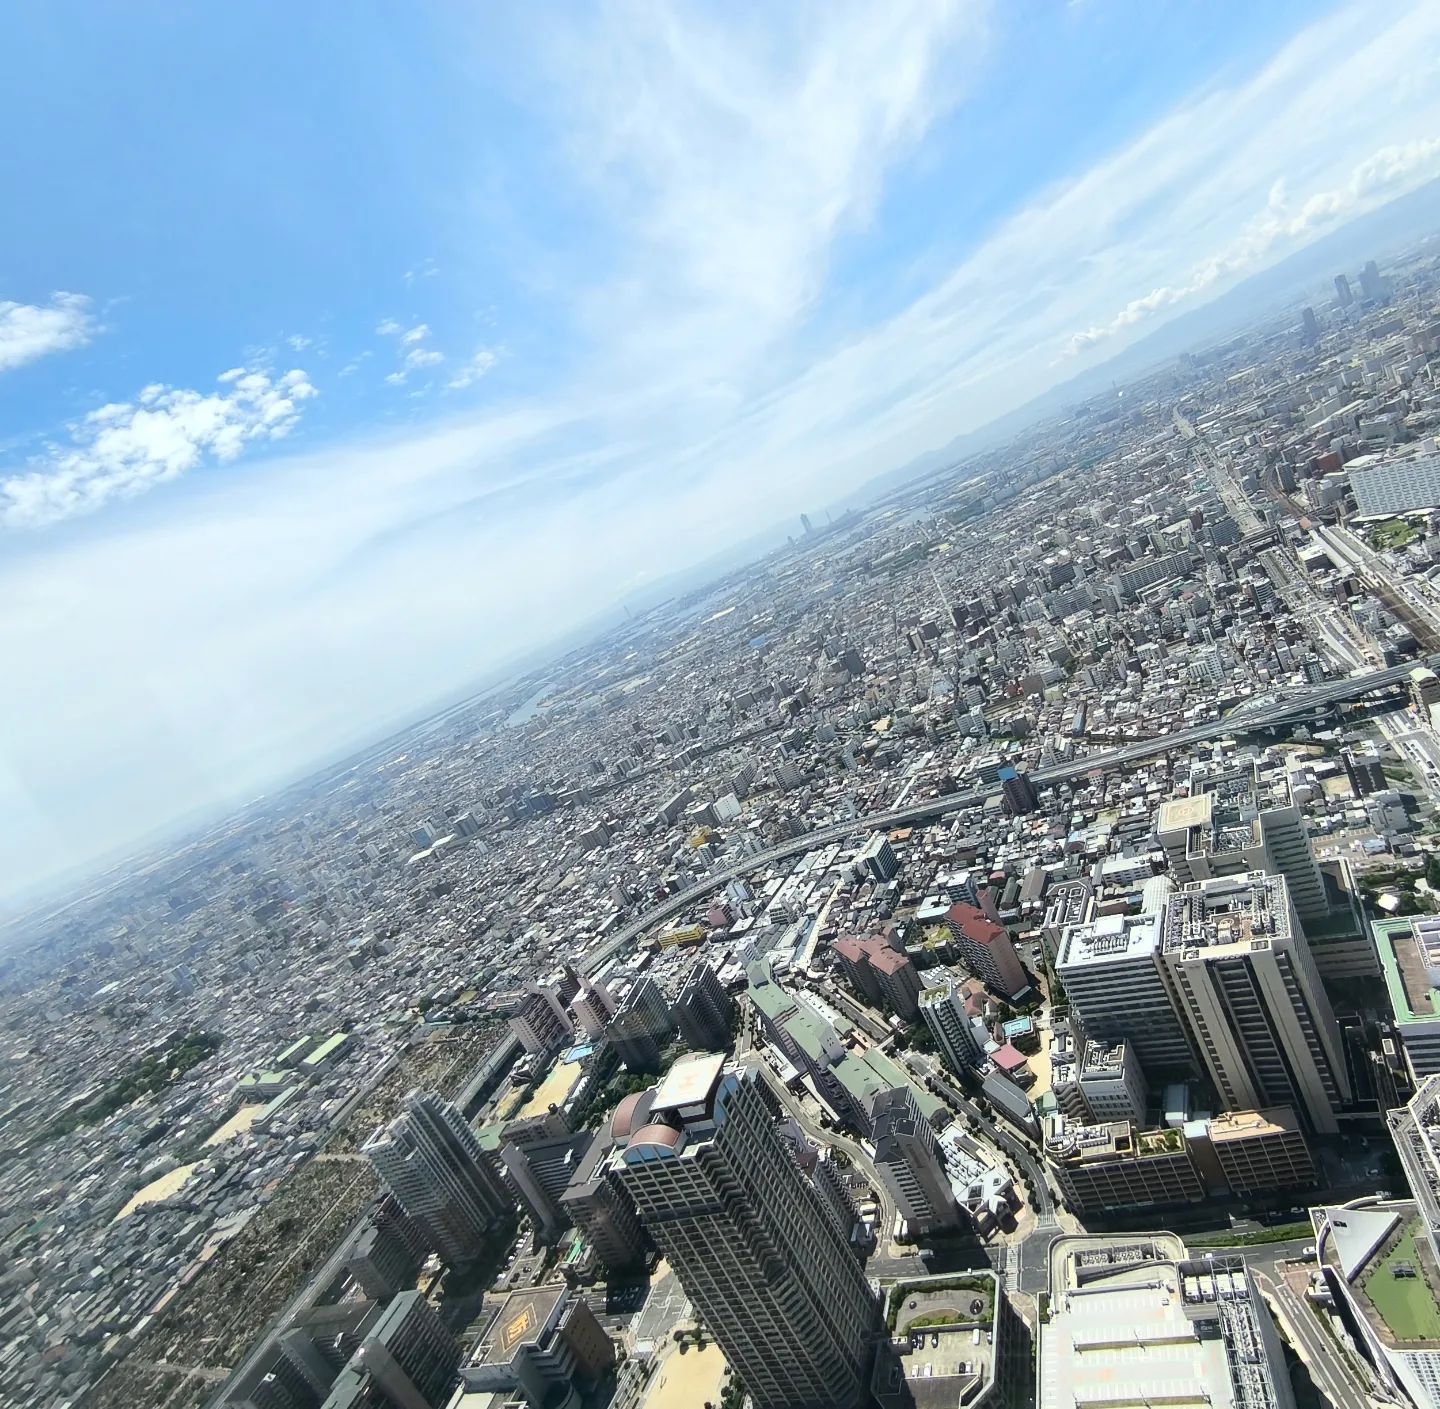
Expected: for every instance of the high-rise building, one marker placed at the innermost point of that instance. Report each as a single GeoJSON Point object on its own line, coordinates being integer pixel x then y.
{"type": "Point", "coordinates": [1112, 1085]}
{"type": "Point", "coordinates": [408, 1359]}
{"type": "Point", "coordinates": [944, 1009]}
{"type": "Point", "coordinates": [704, 1012]}
{"type": "Point", "coordinates": [1111, 971]}
{"type": "Point", "coordinates": [876, 860]}
{"type": "Point", "coordinates": [987, 951]}
{"type": "Point", "coordinates": [1247, 988]}
{"type": "Point", "coordinates": [1245, 1153]}
{"type": "Point", "coordinates": [1374, 286]}
{"type": "Point", "coordinates": [593, 1007]}
{"type": "Point", "coordinates": [1309, 325]}
{"type": "Point", "coordinates": [757, 1252]}
{"type": "Point", "coordinates": [1241, 821]}
{"type": "Point", "coordinates": [541, 1162]}
{"type": "Point", "coordinates": [1343, 294]}
{"type": "Point", "coordinates": [910, 1163]}
{"type": "Point", "coordinates": [541, 1022]}
{"type": "Point", "coordinates": [641, 1024]}
{"type": "Point", "coordinates": [432, 1162]}
{"type": "Point", "coordinates": [597, 1201]}
{"type": "Point", "coordinates": [1134, 1318]}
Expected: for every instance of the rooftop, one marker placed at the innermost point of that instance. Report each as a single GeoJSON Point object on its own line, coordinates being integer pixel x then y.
{"type": "Point", "coordinates": [1134, 1321]}
{"type": "Point", "coordinates": [522, 1321]}
{"type": "Point", "coordinates": [1111, 939]}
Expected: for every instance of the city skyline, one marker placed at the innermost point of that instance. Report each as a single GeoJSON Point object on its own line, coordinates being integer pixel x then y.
{"type": "Point", "coordinates": [715, 252]}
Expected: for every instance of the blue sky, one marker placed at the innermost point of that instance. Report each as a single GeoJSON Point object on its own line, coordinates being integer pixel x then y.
{"type": "Point", "coordinates": [346, 351]}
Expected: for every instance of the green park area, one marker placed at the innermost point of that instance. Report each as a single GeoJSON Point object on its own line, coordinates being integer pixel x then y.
{"type": "Point", "coordinates": [1392, 533]}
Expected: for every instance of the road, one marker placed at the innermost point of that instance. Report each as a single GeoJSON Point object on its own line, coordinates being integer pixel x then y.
{"type": "Point", "coordinates": [1322, 1356]}
{"type": "Point", "coordinates": [1282, 705]}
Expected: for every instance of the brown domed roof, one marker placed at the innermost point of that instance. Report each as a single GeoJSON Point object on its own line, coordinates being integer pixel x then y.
{"type": "Point", "coordinates": [623, 1121]}
{"type": "Point", "coordinates": [656, 1134]}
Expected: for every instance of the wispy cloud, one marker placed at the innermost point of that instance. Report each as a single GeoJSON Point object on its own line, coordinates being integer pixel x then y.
{"type": "Point", "coordinates": [471, 371]}
{"type": "Point", "coordinates": [127, 448]}
{"type": "Point", "coordinates": [31, 331]}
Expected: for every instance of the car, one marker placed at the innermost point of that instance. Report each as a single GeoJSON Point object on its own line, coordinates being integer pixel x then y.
{"type": "Point", "coordinates": [1308, 1252]}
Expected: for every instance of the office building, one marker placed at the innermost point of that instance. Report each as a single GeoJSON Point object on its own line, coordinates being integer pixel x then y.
{"type": "Point", "coordinates": [759, 1256]}
{"type": "Point", "coordinates": [1240, 821]}
{"type": "Point", "coordinates": [910, 1163]}
{"type": "Point", "coordinates": [876, 860]}
{"type": "Point", "coordinates": [1247, 988]}
{"type": "Point", "coordinates": [1344, 296]}
{"type": "Point", "coordinates": [703, 1011]}
{"type": "Point", "coordinates": [1134, 1320]}
{"type": "Point", "coordinates": [1112, 974]}
{"type": "Point", "coordinates": [1309, 325]}
{"type": "Point", "coordinates": [945, 1009]}
{"type": "Point", "coordinates": [545, 1347]}
{"type": "Point", "coordinates": [1244, 1153]}
{"type": "Point", "coordinates": [1111, 1165]}
{"type": "Point", "coordinates": [986, 950]}
{"type": "Point", "coordinates": [641, 1026]}
{"type": "Point", "coordinates": [1112, 1086]}
{"type": "Point", "coordinates": [432, 1162]}
{"type": "Point", "coordinates": [541, 1023]}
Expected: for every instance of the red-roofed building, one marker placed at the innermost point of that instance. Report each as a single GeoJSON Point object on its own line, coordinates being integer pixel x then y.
{"type": "Point", "coordinates": [1011, 1061]}
{"type": "Point", "coordinates": [986, 950]}
{"type": "Point", "coordinates": [881, 974]}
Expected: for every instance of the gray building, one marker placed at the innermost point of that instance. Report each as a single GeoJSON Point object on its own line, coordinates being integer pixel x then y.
{"type": "Point", "coordinates": [1112, 974]}
{"type": "Point", "coordinates": [432, 1162]}
{"type": "Point", "coordinates": [910, 1164]}
{"type": "Point", "coordinates": [756, 1250]}
{"type": "Point", "coordinates": [1250, 994]}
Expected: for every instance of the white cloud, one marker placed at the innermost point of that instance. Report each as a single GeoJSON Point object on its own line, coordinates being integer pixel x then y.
{"type": "Point", "coordinates": [30, 331]}
{"type": "Point", "coordinates": [298, 342]}
{"type": "Point", "coordinates": [472, 371]}
{"type": "Point", "coordinates": [418, 333]}
{"type": "Point", "coordinates": [423, 357]}
{"type": "Point", "coordinates": [126, 448]}
{"type": "Point", "coordinates": [387, 327]}
{"type": "Point", "coordinates": [1280, 228]}
{"type": "Point", "coordinates": [395, 379]}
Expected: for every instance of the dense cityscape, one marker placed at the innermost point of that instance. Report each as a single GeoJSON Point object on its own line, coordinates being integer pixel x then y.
{"type": "Point", "coordinates": [986, 952]}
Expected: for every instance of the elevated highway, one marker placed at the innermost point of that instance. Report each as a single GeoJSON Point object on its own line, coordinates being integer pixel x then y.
{"type": "Point", "coordinates": [1285, 705]}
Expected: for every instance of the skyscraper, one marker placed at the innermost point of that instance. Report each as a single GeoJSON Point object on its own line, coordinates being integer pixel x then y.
{"type": "Point", "coordinates": [1111, 971]}
{"type": "Point", "coordinates": [431, 1160]}
{"type": "Point", "coordinates": [1247, 988]}
{"type": "Point", "coordinates": [1343, 293]}
{"type": "Point", "coordinates": [755, 1249]}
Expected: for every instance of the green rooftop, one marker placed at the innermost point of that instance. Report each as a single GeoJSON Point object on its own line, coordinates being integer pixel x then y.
{"type": "Point", "coordinates": [1403, 961]}
{"type": "Point", "coordinates": [1399, 1285]}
